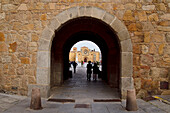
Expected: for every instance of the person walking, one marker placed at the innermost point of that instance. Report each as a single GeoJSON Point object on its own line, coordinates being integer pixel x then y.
{"type": "Point", "coordinates": [89, 67]}
{"type": "Point", "coordinates": [95, 71]}
{"type": "Point", "coordinates": [74, 66]}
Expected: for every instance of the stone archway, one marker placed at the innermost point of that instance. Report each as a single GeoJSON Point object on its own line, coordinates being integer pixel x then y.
{"type": "Point", "coordinates": [45, 42]}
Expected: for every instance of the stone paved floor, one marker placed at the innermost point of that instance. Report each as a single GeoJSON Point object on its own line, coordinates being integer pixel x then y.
{"type": "Point", "coordinates": [77, 88]}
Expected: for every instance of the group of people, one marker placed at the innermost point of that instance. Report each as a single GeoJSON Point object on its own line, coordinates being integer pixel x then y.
{"type": "Point", "coordinates": [89, 70]}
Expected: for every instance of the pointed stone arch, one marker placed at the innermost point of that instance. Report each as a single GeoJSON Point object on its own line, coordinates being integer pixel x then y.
{"type": "Point", "coordinates": [45, 42]}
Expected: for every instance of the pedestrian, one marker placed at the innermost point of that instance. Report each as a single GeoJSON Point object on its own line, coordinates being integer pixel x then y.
{"type": "Point", "coordinates": [95, 71]}
{"type": "Point", "coordinates": [74, 66]}
{"type": "Point", "coordinates": [89, 68]}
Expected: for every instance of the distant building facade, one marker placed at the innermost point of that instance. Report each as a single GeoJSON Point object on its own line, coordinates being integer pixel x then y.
{"type": "Point", "coordinates": [85, 55]}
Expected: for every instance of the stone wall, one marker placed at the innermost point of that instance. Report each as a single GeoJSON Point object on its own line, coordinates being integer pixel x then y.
{"type": "Point", "coordinates": [22, 22]}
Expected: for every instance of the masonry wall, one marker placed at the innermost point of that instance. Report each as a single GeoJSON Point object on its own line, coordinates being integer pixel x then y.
{"type": "Point", "coordinates": [22, 22]}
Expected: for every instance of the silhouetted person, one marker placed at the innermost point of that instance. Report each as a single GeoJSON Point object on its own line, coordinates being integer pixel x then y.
{"type": "Point", "coordinates": [74, 66]}
{"type": "Point", "coordinates": [89, 67]}
{"type": "Point", "coordinates": [95, 71]}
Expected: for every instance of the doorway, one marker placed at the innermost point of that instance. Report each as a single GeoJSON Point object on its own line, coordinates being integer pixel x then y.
{"type": "Point", "coordinates": [102, 28]}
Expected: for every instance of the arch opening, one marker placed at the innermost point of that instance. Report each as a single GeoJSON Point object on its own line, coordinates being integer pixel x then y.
{"type": "Point", "coordinates": [106, 29]}
{"type": "Point", "coordinates": [85, 29]}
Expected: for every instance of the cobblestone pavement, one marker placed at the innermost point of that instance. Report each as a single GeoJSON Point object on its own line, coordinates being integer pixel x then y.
{"type": "Point", "coordinates": [83, 92]}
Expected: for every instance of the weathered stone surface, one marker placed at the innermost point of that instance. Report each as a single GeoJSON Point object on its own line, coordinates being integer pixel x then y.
{"type": "Point", "coordinates": [161, 7]}
{"type": "Point", "coordinates": [14, 59]}
{"type": "Point", "coordinates": [126, 45]}
{"type": "Point", "coordinates": [28, 27]}
{"type": "Point", "coordinates": [32, 44]}
{"type": "Point", "coordinates": [22, 46]}
{"type": "Point", "coordinates": [20, 71]}
{"type": "Point", "coordinates": [130, 6]}
{"type": "Point", "coordinates": [132, 27]}
{"type": "Point", "coordinates": [43, 56]}
{"type": "Point", "coordinates": [165, 17]}
{"type": "Point", "coordinates": [145, 49]}
{"type": "Point", "coordinates": [137, 83]}
{"type": "Point", "coordinates": [2, 16]}
{"type": "Point", "coordinates": [153, 17]}
{"type": "Point", "coordinates": [97, 13]}
{"type": "Point", "coordinates": [128, 16]}
{"type": "Point", "coordinates": [43, 17]}
{"type": "Point", "coordinates": [142, 94]}
{"type": "Point", "coordinates": [142, 16]}
{"type": "Point", "coordinates": [161, 49]}
{"type": "Point", "coordinates": [147, 37]}
{"type": "Point", "coordinates": [157, 37]}
{"type": "Point", "coordinates": [88, 11]}
{"type": "Point", "coordinates": [152, 48]}
{"type": "Point", "coordinates": [42, 76]}
{"type": "Point", "coordinates": [55, 24]}
{"type": "Point", "coordinates": [82, 11]}
{"type": "Point", "coordinates": [47, 34]}
{"type": "Point", "coordinates": [121, 27]}
{"type": "Point", "coordinates": [155, 72]}
{"type": "Point", "coordinates": [123, 35]}
{"type": "Point", "coordinates": [52, 5]}
{"type": "Point", "coordinates": [2, 37]}
{"type": "Point", "coordinates": [62, 17]}
{"type": "Point", "coordinates": [164, 23]}
{"type": "Point", "coordinates": [44, 45]}
{"type": "Point", "coordinates": [127, 83]}
{"type": "Point", "coordinates": [148, 7]}
{"type": "Point", "coordinates": [146, 59]}
{"type": "Point", "coordinates": [108, 18]}
{"type": "Point", "coordinates": [34, 37]}
{"type": "Point", "coordinates": [25, 60]}
{"type": "Point", "coordinates": [8, 7]}
{"type": "Point", "coordinates": [23, 7]}
{"type": "Point", "coordinates": [160, 28]}
{"type": "Point", "coordinates": [3, 47]}
{"type": "Point", "coordinates": [127, 62]}
{"type": "Point", "coordinates": [12, 47]}
{"type": "Point", "coordinates": [147, 26]}
{"type": "Point", "coordinates": [73, 12]}
{"type": "Point", "coordinates": [136, 48]}
{"type": "Point", "coordinates": [168, 37]}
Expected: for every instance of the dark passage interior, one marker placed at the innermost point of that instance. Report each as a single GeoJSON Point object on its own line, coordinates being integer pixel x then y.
{"type": "Point", "coordinates": [91, 29]}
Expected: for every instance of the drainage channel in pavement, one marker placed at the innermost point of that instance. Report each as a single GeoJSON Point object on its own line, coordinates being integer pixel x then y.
{"type": "Point", "coordinates": [61, 100]}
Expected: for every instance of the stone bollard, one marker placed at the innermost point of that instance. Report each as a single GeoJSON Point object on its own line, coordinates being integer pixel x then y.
{"type": "Point", "coordinates": [131, 104]}
{"type": "Point", "coordinates": [35, 99]}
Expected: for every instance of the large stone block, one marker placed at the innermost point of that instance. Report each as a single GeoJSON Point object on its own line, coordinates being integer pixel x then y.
{"type": "Point", "coordinates": [54, 24]}
{"type": "Point", "coordinates": [123, 35]}
{"type": "Point", "coordinates": [44, 45]}
{"type": "Point", "coordinates": [43, 59]}
{"type": "Point", "coordinates": [127, 83]}
{"type": "Point", "coordinates": [108, 18]}
{"type": "Point", "coordinates": [82, 11]}
{"type": "Point", "coordinates": [88, 11]}
{"type": "Point", "coordinates": [44, 89]}
{"type": "Point", "coordinates": [148, 7]}
{"type": "Point", "coordinates": [47, 34]}
{"type": "Point", "coordinates": [117, 25]}
{"type": "Point", "coordinates": [126, 45]}
{"type": "Point", "coordinates": [43, 76]}
{"type": "Point", "coordinates": [168, 37]}
{"type": "Point", "coordinates": [161, 28]}
{"type": "Point", "coordinates": [62, 17]}
{"type": "Point", "coordinates": [127, 64]}
{"type": "Point", "coordinates": [73, 12]}
{"type": "Point", "coordinates": [165, 17]}
{"type": "Point", "coordinates": [98, 13]}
